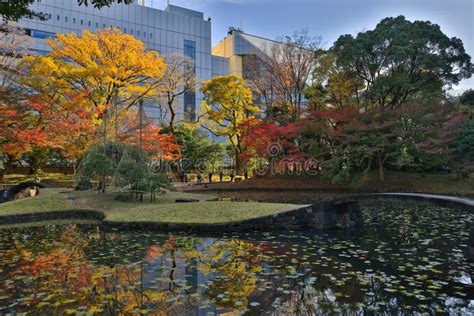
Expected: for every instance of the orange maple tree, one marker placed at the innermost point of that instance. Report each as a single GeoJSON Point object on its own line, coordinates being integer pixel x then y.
{"type": "Point", "coordinates": [268, 139]}
{"type": "Point", "coordinates": [20, 127]}
{"type": "Point", "coordinates": [155, 143]}
{"type": "Point", "coordinates": [35, 122]}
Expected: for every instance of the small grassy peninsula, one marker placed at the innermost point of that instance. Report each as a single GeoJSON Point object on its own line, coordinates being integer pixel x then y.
{"type": "Point", "coordinates": [206, 209]}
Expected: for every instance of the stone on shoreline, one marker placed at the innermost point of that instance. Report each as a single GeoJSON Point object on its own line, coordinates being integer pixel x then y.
{"type": "Point", "coordinates": [186, 200]}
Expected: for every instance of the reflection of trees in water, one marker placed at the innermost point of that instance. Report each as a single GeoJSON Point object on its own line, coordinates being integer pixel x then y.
{"type": "Point", "coordinates": [157, 280]}
{"type": "Point", "coordinates": [230, 267]}
{"type": "Point", "coordinates": [62, 280]}
{"type": "Point", "coordinates": [234, 266]}
{"type": "Point", "coordinates": [64, 277]}
{"type": "Point", "coordinates": [58, 270]}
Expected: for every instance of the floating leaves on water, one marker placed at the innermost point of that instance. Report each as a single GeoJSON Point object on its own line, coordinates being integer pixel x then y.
{"type": "Point", "coordinates": [393, 264]}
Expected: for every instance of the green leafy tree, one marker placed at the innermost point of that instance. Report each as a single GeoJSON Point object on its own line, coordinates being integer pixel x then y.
{"type": "Point", "coordinates": [467, 99]}
{"type": "Point", "coordinates": [133, 168]}
{"type": "Point", "coordinates": [465, 141]}
{"type": "Point", "coordinates": [129, 165]}
{"type": "Point", "coordinates": [333, 85]}
{"type": "Point", "coordinates": [97, 164]}
{"type": "Point", "coordinates": [199, 150]}
{"type": "Point", "coordinates": [416, 137]}
{"type": "Point", "coordinates": [401, 60]}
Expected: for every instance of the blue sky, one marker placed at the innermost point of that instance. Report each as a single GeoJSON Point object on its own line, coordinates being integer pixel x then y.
{"type": "Point", "coordinates": [331, 18]}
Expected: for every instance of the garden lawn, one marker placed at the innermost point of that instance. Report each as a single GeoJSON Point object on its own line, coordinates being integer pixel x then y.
{"type": "Point", "coordinates": [53, 179]}
{"type": "Point", "coordinates": [164, 210]}
{"type": "Point", "coordinates": [207, 212]}
{"type": "Point", "coordinates": [47, 200]}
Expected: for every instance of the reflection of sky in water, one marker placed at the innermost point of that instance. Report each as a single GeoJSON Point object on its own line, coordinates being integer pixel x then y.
{"type": "Point", "coordinates": [406, 258]}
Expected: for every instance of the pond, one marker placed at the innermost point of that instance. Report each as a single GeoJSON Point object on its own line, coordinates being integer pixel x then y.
{"type": "Point", "coordinates": [407, 258]}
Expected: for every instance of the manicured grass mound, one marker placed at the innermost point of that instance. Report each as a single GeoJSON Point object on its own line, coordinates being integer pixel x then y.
{"type": "Point", "coordinates": [164, 210]}
{"type": "Point", "coordinates": [47, 200]}
{"type": "Point", "coordinates": [108, 202]}
{"type": "Point", "coordinates": [207, 212]}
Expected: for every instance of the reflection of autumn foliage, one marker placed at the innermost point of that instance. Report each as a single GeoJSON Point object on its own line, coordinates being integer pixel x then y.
{"type": "Point", "coordinates": [62, 280]}
{"type": "Point", "coordinates": [153, 252]}
{"type": "Point", "coordinates": [123, 288]}
{"type": "Point", "coordinates": [60, 277]}
{"type": "Point", "coordinates": [170, 245]}
{"type": "Point", "coordinates": [59, 266]}
{"type": "Point", "coordinates": [235, 265]}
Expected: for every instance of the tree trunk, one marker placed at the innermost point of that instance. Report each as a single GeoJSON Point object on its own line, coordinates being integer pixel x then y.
{"type": "Point", "coordinates": [173, 115]}
{"type": "Point", "coordinates": [380, 163]}
{"type": "Point", "coordinates": [102, 184]}
{"type": "Point", "coordinates": [238, 163]}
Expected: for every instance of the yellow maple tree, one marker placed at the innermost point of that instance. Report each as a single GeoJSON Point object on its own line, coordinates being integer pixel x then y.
{"type": "Point", "coordinates": [226, 107]}
{"type": "Point", "coordinates": [112, 68]}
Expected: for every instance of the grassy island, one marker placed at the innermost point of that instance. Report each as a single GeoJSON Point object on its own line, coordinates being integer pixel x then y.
{"type": "Point", "coordinates": [207, 210]}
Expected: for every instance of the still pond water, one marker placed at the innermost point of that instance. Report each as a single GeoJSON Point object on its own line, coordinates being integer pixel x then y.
{"type": "Point", "coordinates": [407, 258]}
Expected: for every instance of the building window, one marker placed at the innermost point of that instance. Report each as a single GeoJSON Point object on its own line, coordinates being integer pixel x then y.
{"type": "Point", "coordinates": [65, 19]}
{"type": "Point", "coordinates": [96, 25]}
{"type": "Point", "coordinates": [40, 34]}
{"type": "Point", "coordinates": [82, 22]}
{"type": "Point", "coordinates": [125, 30]}
{"type": "Point", "coordinates": [131, 32]}
{"type": "Point", "coordinates": [89, 23]}
{"type": "Point", "coordinates": [58, 17]}
{"type": "Point", "coordinates": [144, 34]}
{"type": "Point", "coordinates": [190, 49]}
{"type": "Point", "coordinates": [39, 52]}
{"type": "Point", "coordinates": [103, 26]}
{"type": "Point", "coordinates": [151, 35]}
{"type": "Point", "coordinates": [73, 20]}
{"type": "Point", "coordinates": [190, 106]}
{"type": "Point", "coordinates": [138, 33]}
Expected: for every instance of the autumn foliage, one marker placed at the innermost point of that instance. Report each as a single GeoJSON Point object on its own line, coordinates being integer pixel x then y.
{"type": "Point", "coordinates": [87, 85]}
{"type": "Point", "coordinates": [157, 144]}
{"type": "Point", "coordinates": [34, 123]}
{"type": "Point", "coordinates": [270, 140]}
{"type": "Point", "coordinates": [318, 105]}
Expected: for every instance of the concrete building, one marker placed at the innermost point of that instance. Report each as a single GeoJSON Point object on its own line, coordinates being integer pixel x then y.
{"type": "Point", "coordinates": [242, 50]}
{"type": "Point", "coordinates": [248, 56]}
{"type": "Point", "coordinates": [173, 30]}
